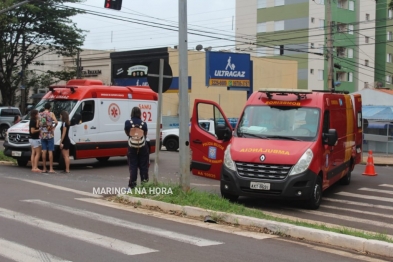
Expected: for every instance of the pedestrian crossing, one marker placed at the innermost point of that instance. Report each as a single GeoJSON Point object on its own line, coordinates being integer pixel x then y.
{"type": "Point", "coordinates": [18, 252]}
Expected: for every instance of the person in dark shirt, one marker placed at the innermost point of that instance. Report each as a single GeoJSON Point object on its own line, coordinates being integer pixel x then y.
{"type": "Point", "coordinates": [35, 140]}
{"type": "Point", "coordinates": [65, 142]}
{"type": "Point", "coordinates": [137, 157]}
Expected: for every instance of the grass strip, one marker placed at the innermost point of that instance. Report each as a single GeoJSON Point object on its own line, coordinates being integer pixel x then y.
{"type": "Point", "coordinates": [6, 158]}
{"type": "Point", "coordinates": [215, 202]}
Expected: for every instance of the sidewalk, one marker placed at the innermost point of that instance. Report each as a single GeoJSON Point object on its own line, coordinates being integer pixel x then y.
{"type": "Point", "coordinates": [380, 160]}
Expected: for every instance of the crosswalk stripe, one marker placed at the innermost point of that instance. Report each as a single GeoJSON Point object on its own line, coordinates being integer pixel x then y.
{"type": "Point", "coordinates": [357, 211]}
{"type": "Point", "coordinates": [390, 192]}
{"type": "Point", "coordinates": [20, 253]}
{"type": "Point", "coordinates": [127, 224]}
{"type": "Point", "coordinates": [348, 218]}
{"type": "Point", "coordinates": [386, 185]}
{"type": "Point", "coordinates": [357, 203]}
{"type": "Point", "coordinates": [89, 237]}
{"type": "Point", "coordinates": [384, 199]}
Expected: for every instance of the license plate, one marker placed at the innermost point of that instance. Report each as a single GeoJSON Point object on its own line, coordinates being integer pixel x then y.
{"type": "Point", "coordinates": [260, 186]}
{"type": "Point", "coordinates": [16, 153]}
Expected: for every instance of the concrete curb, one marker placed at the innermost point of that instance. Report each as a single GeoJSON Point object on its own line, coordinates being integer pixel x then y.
{"type": "Point", "coordinates": [375, 247]}
{"type": "Point", "coordinates": [7, 163]}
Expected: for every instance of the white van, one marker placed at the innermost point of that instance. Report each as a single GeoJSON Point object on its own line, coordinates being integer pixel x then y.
{"type": "Point", "coordinates": [97, 114]}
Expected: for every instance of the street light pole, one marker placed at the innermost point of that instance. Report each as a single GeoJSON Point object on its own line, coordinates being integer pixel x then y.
{"type": "Point", "coordinates": [184, 135]}
{"type": "Point", "coordinates": [330, 83]}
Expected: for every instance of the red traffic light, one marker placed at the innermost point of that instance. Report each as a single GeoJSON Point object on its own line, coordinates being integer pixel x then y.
{"type": "Point", "coordinates": [113, 4]}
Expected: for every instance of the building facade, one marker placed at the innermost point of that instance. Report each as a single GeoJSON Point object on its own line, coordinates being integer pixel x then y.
{"type": "Point", "coordinates": [297, 30]}
{"type": "Point", "coordinates": [384, 46]}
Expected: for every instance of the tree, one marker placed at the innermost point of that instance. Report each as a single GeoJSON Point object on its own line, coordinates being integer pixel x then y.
{"type": "Point", "coordinates": [391, 4]}
{"type": "Point", "coordinates": [30, 31]}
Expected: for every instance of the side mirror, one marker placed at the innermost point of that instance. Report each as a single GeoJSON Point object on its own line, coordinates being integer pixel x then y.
{"type": "Point", "coordinates": [76, 119]}
{"type": "Point", "coordinates": [223, 133]}
{"type": "Point", "coordinates": [331, 137]}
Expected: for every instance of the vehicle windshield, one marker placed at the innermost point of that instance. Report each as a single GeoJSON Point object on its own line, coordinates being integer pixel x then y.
{"type": "Point", "coordinates": [286, 123]}
{"type": "Point", "coordinates": [57, 106]}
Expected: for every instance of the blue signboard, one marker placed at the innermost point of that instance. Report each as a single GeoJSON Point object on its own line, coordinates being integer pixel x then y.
{"type": "Point", "coordinates": [228, 69]}
{"type": "Point", "coordinates": [142, 81]}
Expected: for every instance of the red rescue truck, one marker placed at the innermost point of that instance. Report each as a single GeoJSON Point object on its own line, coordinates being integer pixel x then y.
{"type": "Point", "coordinates": [97, 113]}
{"type": "Point", "coordinates": [291, 144]}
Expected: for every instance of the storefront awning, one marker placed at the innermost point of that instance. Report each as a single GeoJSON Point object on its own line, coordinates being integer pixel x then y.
{"type": "Point", "coordinates": [381, 113]}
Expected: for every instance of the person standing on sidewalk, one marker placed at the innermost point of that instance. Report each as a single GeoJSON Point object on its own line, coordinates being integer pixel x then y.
{"type": "Point", "coordinates": [48, 124]}
{"type": "Point", "coordinates": [137, 157]}
{"type": "Point", "coordinates": [65, 142]}
{"type": "Point", "coordinates": [35, 140]}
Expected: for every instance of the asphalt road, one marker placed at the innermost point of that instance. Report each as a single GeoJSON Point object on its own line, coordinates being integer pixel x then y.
{"type": "Point", "coordinates": [43, 222]}
{"type": "Point", "coordinates": [366, 204]}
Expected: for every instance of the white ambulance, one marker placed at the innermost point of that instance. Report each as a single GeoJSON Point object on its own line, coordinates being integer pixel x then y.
{"type": "Point", "coordinates": [97, 113]}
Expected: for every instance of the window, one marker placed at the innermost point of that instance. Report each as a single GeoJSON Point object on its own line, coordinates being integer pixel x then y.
{"type": "Point", "coordinates": [85, 111]}
{"type": "Point", "coordinates": [312, 45]}
{"type": "Point", "coordinates": [350, 77]}
{"type": "Point", "coordinates": [367, 39]}
{"type": "Point", "coordinates": [279, 25]}
{"type": "Point", "coordinates": [390, 13]}
{"type": "Point", "coordinates": [312, 71]}
{"type": "Point", "coordinates": [312, 20]}
{"type": "Point", "coordinates": [261, 28]}
{"type": "Point", "coordinates": [10, 112]}
{"type": "Point", "coordinates": [366, 63]}
{"type": "Point", "coordinates": [277, 50]}
{"type": "Point", "coordinates": [321, 24]}
{"type": "Point", "coordinates": [350, 53]}
{"type": "Point", "coordinates": [279, 2]}
{"type": "Point", "coordinates": [351, 5]}
{"type": "Point", "coordinates": [350, 29]}
{"type": "Point", "coordinates": [388, 79]}
{"type": "Point", "coordinates": [389, 58]}
{"type": "Point", "coordinates": [320, 74]}
{"type": "Point", "coordinates": [261, 3]}
{"type": "Point", "coordinates": [366, 85]}
{"type": "Point", "coordinates": [321, 49]}
{"type": "Point", "coordinates": [341, 52]}
{"type": "Point", "coordinates": [389, 36]}
{"type": "Point", "coordinates": [367, 17]}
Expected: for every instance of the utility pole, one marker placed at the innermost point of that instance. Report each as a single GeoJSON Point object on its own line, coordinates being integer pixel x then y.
{"type": "Point", "coordinates": [330, 47]}
{"type": "Point", "coordinates": [23, 79]}
{"type": "Point", "coordinates": [184, 136]}
{"type": "Point", "coordinates": [78, 67]}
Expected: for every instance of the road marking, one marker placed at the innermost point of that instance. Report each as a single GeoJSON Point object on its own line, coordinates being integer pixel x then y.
{"type": "Point", "coordinates": [390, 192]}
{"type": "Point", "coordinates": [89, 237]}
{"type": "Point", "coordinates": [83, 193]}
{"type": "Point", "coordinates": [349, 218]}
{"type": "Point", "coordinates": [384, 199]}
{"type": "Point", "coordinates": [357, 203]}
{"type": "Point", "coordinates": [179, 219]}
{"type": "Point", "coordinates": [134, 226]}
{"type": "Point", "coordinates": [357, 211]}
{"type": "Point", "coordinates": [20, 253]}
{"type": "Point", "coordinates": [386, 185]}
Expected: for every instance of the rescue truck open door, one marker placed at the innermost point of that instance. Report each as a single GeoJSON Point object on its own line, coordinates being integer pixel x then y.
{"type": "Point", "coordinates": [207, 148]}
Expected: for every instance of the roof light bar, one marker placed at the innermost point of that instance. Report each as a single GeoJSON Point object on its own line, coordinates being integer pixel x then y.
{"type": "Point", "coordinates": [283, 92]}
{"type": "Point", "coordinates": [52, 88]}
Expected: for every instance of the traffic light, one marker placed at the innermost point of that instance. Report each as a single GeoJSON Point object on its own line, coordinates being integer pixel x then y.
{"type": "Point", "coordinates": [113, 4]}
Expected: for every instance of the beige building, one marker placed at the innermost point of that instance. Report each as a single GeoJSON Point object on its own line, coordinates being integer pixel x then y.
{"type": "Point", "coordinates": [268, 73]}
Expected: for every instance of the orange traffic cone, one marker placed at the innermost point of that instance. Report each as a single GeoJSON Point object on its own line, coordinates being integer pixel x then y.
{"type": "Point", "coordinates": [370, 170]}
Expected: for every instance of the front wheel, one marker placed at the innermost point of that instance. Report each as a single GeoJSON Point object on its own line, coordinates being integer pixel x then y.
{"type": "Point", "coordinates": [230, 197]}
{"type": "Point", "coordinates": [316, 197]}
{"type": "Point", "coordinates": [22, 162]}
{"type": "Point", "coordinates": [3, 131]}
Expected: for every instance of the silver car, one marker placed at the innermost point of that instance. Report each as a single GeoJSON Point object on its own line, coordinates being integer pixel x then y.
{"type": "Point", "coordinates": [7, 115]}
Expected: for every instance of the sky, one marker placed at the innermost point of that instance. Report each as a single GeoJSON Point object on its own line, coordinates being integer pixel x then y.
{"type": "Point", "coordinates": [210, 17]}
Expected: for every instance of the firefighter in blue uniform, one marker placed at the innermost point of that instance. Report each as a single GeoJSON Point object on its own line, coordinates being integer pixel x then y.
{"type": "Point", "coordinates": [137, 157]}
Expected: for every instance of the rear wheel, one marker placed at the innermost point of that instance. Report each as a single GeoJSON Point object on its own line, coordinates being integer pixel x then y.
{"type": "Point", "coordinates": [316, 197]}
{"type": "Point", "coordinates": [22, 162]}
{"type": "Point", "coordinates": [346, 180]}
{"type": "Point", "coordinates": [172, 144]}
